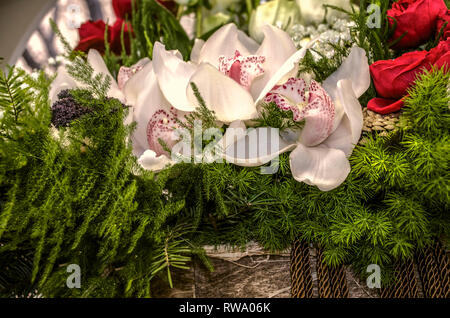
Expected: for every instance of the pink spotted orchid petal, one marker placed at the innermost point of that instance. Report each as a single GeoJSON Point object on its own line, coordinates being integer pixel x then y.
{"type": "Point", "coordinates": [319, 116]}
{"type": "Point", "coordinates": [289, 96]}
{"type": "Point", "coordinates": [126, 73]}
{"type": "Point", "coordinates": [162, 126]}
{"type": "Point", "coordinates": [226, 41]}
{"type": "Point", "coordinates": [277, 47]}
{"type": "Point", "coordinates": [318, 112]}
{"type": "Point", "coordinates": [243, 69]}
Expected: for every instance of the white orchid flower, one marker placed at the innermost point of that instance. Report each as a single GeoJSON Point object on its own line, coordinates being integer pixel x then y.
{"type": "Point", "coordinates": [333, 125]}
{"type": "Point", "coordinates": [64, 81]}
{"type": "Point", "coordinates": [232, 72]}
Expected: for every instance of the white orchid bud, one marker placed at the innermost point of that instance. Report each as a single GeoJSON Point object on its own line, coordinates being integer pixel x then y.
{"type": "Point", "coordinates": [313, 11]}
{"type": "Point", "coordinates": [280, 13]}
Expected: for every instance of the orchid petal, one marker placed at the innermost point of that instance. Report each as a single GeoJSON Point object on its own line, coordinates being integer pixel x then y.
{"type": "Point", "coordinates": [225, 41]}
{"type": "Point", "coordinates": [62, 81]}
{"type": "Point", "coordinates": [277, 48]}
{"type": "Point", "coordinates": [256, 147]}
{"type": "Point", "coordinates": [125, 73]}
{"type": "Point", "coordinates": [98, 64]}
{"type": "Point", "coordinates": [234, 132]}
{"type": "Point", "coordinates": [142, 91]}
{"type": "Point", "coordinates": [196, 49]}
{"type": "Point", "coordinates": [149, 161]}
{"type": "Point", "coordinates": [173, 76]}
{"type": "Point", "coordinates": [319, 116]}
{"type": "Point", "coordinates": [320, 166]}
{"type": "Point", "coordinates": [355, 68]}
{"type": "Point", "coordinates": [286, 71]}
{"type": "Point", "coordinates": [223, 95]}
{"type": "Point", "coordinates": [289, 96]}
{"type": "Point", "coordinates": [347, 135]}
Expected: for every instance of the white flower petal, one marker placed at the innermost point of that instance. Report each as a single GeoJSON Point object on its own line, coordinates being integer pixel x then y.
{"type": "Point", "coordinates": [225, 41]}
{"type": "Point", "coordinates": [195, 53]}
{"type": "Point", "coordinates": [98, 64]}
{"type": "Point", "coordinates": [149, 161]}
{"type": "Point", "coordinates": [223, 95]}
{"type": "Point", "coordinates": [319, 116]}
{"type": "Point", "coordinates": [347, 135]}
{"type": "Point", "coordinates": [251, 45]}
{"type": "Point", "coordinates": [125, 73]}
{"type": "Point", "coordinates": [62, 81]}
{"type": "Point", "coordinates": [287, 70]}
{"type": "Point", "coordinates": [143, 93]}
{"type": "Point", "coordinates": [321, 166]}
{"type": "Point", "coordinates": [277, 48]}
{"type": "Point", "coordinates": [256, 147]}
{"type": "Point", "coordinates": [355, 68]}
{"type": "Point", "coordinates": [234, 132]}
{"type": "Point", "coordinates": [173, 76]}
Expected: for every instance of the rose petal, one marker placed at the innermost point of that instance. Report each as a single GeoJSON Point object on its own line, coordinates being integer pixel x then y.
{"type": "Point", "coordinates": [173, 76]}
{"type": "Point", "coordinates": [223, 95]}
{"type": "Point", "coordinates": [320, 166]}
{"type": "Point", "coordinates": [384, 105]}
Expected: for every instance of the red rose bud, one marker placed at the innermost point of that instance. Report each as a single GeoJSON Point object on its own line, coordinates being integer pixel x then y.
{"type": "Point", "coordinates": [392, 78]}
{"type": "Point", "coordinates": [92, 36]}
{"type": "Point", "coordinates": [416, 18]}
{"type": "Point", "coordinates": [442, 20]}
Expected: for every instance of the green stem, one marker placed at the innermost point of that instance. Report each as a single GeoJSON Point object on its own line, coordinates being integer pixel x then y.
{"type": "Point", "coordinates": [199, 18]}
{"type": "Point", "coordinates": [249, 7]}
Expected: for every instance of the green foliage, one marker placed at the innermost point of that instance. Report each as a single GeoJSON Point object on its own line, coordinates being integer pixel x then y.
{"type": "Point", "coordinates": [78, 196]}
{"type": "Point", "coordinates": [153, 22]}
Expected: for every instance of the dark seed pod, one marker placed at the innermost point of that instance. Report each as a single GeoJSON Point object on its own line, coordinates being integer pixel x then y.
{"type": "Point", "coordinates": [66, 110]}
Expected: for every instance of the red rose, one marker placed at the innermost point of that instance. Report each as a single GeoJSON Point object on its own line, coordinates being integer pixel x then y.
{"type": "Point", "coordinates": [416, 18]}
{"type": "Point", "coordinates": [445, 18]}
{"type": "Point", "coordinates": [392, 78]}
{"type": "Point", "coordinates": [92, 36]}
{"type": "Point", "coordinates": [123, 8]}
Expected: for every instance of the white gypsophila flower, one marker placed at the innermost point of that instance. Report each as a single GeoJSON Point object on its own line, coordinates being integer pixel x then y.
{"type": "Point", "coordinates": [337, 31]}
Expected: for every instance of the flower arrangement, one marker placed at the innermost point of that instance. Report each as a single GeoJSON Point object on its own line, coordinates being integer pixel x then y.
{"type": "Point", "coordinates": [157, 136]}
